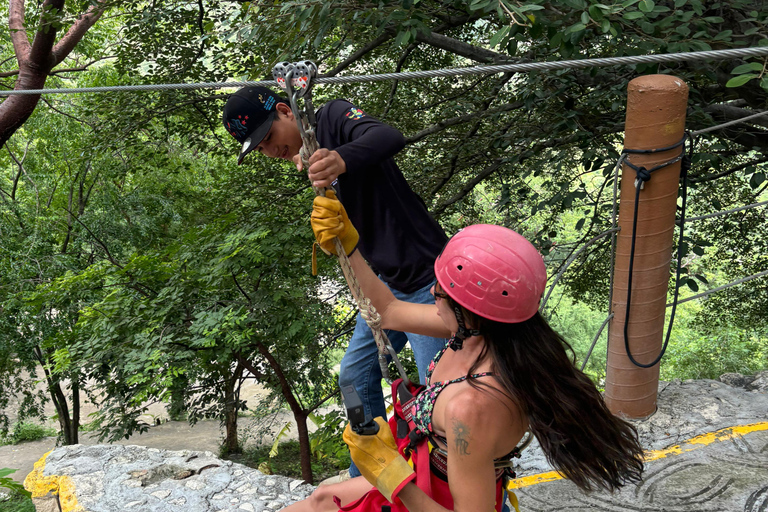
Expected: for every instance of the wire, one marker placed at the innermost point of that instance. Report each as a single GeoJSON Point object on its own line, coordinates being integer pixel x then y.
{"type": "Point", "coordinates": [447, 72]}
{"type": "Point", "coordinates": [725, 212]}
{"type": "Point", "coordinates": [594, 341]}
{"type": "Point", "coordinates": [723, 287]}
{"type": "Point", "coordinates": [729, 123]}
{"type": "Point", "coordinates": [570, 261]}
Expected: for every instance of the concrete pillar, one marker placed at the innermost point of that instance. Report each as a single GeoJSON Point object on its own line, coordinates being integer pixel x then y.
{"type": "Point", "coordinates": [656, 107]}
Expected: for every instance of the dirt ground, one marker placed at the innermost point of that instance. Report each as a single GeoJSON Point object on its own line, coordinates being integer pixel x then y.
{"type": "Point", "coordinates": [168, 435]}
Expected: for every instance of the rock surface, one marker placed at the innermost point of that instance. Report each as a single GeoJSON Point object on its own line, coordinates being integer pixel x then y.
{"type": "Point", "coordinates": [106, 478]}
{"type": "Point", "coordinates": [685, 410]}
{"type": "Point", "coordinates": [731, 474]}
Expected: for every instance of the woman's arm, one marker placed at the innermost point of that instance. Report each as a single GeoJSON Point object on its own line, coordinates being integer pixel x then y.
{"type": "Point", "coordinates": [330, 221]}
{"type": "Point", "coordinates": [396, 314]}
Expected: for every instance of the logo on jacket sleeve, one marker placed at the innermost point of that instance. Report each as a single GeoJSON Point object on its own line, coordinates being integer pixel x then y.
{"type": "Point", "coordinates": [355, 113]}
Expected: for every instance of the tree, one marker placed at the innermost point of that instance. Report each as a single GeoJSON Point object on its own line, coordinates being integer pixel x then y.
{"type": "Point", "coordinates": [37, 59]}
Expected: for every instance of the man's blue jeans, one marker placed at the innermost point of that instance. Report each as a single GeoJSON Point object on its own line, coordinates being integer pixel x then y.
{"type": "Point", "coordinates": [360, 365]}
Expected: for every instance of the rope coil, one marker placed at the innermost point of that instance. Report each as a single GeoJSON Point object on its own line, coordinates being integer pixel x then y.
{"type": "Point", "coordinates": [644, 175]}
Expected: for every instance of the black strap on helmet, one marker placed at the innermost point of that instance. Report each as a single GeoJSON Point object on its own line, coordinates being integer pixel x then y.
{"type": "Point", "coordinates": [457, 341]}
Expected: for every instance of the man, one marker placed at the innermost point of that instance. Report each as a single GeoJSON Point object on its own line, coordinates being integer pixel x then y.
{"type": "Point", "coordinates": [398, 237]}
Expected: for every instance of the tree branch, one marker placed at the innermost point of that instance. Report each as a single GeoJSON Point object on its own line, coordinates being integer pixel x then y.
{"type": "Point", "coordinates": [40, 54]}
{"type": "Point", "coordinates": [19, 38]}
{"type": "Point", "coordinates": [463, 49]}
{"type": "Point", "coordinates": [718, 175]}
{"type": "Point", "coordinates": [84, 67]}
{"type": "Point", "coordinates": [341, 66]}
{"type": "Point", "coordinates": [395, 83]}
{"type": "Point", "coordinates": [77, 31]}
{"type": "Point", "coordinates": [459, 120]}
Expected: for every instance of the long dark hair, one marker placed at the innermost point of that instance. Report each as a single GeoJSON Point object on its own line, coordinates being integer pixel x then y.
{"type": "Point", "coordinates": [580, 437]}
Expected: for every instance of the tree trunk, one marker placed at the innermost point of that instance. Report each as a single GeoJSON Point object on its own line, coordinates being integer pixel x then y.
{"type": "Point", "coordinates": [231, 400]}
{"type": "Point", "coordinates": [75, 425]}
{"type": "Point", "coordinates": [299, 413]}
{"type": "Point", "coordinates": [305, 454]}
{"type": "Point", "coordinates": [177, 409]}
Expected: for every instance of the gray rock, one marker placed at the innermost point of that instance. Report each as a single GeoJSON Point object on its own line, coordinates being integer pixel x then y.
{"type": "Point", "coordinates": [114, 477]}
{"type": "Point", "coordinates": [736, 380]}
{"type": "Point", "coordinates": [106, 478]}
{"type": "Point", "coordinates": [760, 382]}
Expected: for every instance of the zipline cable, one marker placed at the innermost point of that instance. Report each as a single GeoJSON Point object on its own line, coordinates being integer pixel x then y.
{"type": "Point", "coordinates": [729, 123]}
{"type": "Point", "coordinates": [520, 67]}
{"type": "Point", "coordinates": [723, 287]}
{"type": "Point", "coordinates": [725, 212]}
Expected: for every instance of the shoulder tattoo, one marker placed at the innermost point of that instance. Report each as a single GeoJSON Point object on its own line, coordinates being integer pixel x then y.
{"type": "Point", "coordinates": [461, 436]}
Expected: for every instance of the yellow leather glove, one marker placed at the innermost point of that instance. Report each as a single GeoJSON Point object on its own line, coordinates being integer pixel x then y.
{"type": "Point", "coordinates": [378, 460]}
{"type": "Point", "coordinates": [329, 221]}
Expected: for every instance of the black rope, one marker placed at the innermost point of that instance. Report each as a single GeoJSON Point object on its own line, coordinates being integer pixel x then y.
{"type": "Point", "coordinates": [644, 175]}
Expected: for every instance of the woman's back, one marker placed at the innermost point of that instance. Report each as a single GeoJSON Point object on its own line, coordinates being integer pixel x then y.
{"type": "Point", "coordinates": [471, 412]}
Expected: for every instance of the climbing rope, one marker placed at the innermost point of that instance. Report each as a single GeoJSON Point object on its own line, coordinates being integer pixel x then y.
{"type": "Point", "coordinates": [297, 79]}
{"type": "Point", "coordinates": [644, 175]}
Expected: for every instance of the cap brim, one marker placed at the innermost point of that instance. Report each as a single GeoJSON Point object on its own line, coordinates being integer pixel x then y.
{"type": "Point", "coordinates": [255, 138]}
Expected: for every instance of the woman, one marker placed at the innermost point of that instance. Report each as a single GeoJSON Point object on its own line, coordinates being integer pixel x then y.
{"type": "Point", "coordinates": [503, 372]}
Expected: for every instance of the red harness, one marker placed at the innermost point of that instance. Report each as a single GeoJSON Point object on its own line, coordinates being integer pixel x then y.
{"type": "Point", "coordinates": [429, 467]}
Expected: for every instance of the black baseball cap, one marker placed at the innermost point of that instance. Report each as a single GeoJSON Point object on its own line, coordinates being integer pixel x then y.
{"type": "Point", "coordinates": [248, 116]}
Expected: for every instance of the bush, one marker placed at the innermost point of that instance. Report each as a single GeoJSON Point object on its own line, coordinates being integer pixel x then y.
{"type": "Point", "coordinates": [25, 431]}
{"type": "Point", "coordinates": [17, 499]}
{"type": "Point", "coordinates": [578, 324]}
{"type": "Point", "coordinates": [695, 354]}
{"type": "Point", "coordinates": [287, 462]}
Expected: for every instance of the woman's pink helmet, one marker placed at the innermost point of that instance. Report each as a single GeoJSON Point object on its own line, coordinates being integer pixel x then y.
{"type": "Point", "coordinates": [493, 272]}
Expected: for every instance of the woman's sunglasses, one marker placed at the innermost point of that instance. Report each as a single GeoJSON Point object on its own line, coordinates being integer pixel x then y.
{"type": "Point", "coordinates": [439, 293]}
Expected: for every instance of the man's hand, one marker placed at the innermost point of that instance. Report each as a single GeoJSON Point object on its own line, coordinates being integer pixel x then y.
{"type": "Point", "coordinates": [329, 221]}
{"type": "Point", "coordinates": [324, 167]}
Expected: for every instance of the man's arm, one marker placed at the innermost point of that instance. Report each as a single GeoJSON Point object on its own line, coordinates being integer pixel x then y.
{"type": "Point", "coordinates": [367, 141]}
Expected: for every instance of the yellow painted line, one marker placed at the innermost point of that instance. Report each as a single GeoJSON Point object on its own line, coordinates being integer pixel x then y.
{"type": "Point", "coordinates": [692, 444]}
{"type": "Point", "coordinates": [63, 486]}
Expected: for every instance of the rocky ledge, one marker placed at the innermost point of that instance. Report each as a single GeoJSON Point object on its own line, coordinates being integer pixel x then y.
{"type": "Point", "coordinates": [108, 478]}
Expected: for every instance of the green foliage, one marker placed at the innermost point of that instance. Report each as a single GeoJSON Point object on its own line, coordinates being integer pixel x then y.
{"type": "Point", "coordinates": [25, 431]}
{"type": "Point", "coordinates": [408, 361]}
{"type": "Point", "coordinates": [9, 483]}
{"type": "Point", "coordinates": [578, 324]}
{"type": "Point", "coordinates": [18, 499]}
{"type": "Point", "coordinates": [326, 442]}
{"type": "Point", "coordinates": [286, 462]}
{"type": "Point", "coordinates": [696, 353]}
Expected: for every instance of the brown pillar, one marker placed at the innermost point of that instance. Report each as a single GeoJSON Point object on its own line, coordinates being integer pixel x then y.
{"type": "Point", "coordinates": [656, 106]}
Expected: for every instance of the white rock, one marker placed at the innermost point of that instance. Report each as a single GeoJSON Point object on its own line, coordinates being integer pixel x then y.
{"type": "Point", "coordinates": [195, 485]}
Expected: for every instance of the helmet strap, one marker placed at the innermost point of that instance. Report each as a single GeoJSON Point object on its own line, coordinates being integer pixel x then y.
{"type": "Point", "coordinates": [457, 340]}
